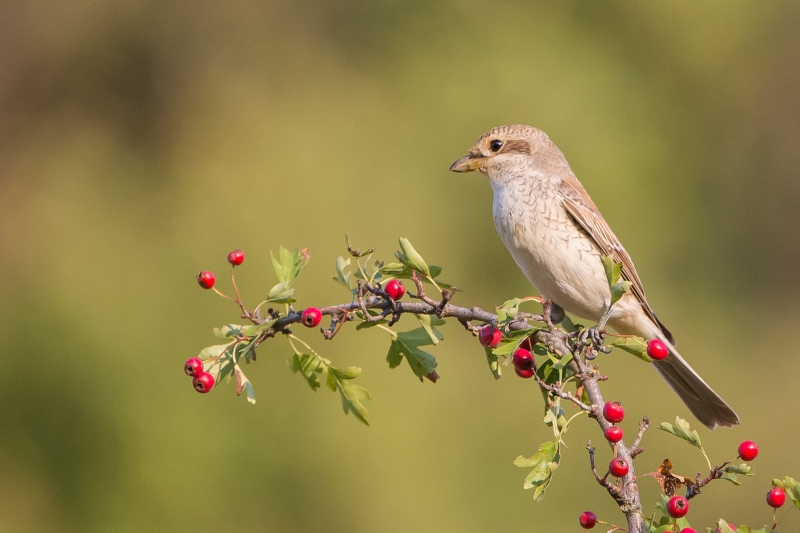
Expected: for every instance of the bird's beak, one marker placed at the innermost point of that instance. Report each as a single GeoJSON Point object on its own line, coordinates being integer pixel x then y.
{"type": "Point", "coordinates": [468, 163]}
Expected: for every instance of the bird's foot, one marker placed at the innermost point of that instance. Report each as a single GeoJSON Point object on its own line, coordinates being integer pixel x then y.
{"type": "Point", "coordinates": [593, 339]}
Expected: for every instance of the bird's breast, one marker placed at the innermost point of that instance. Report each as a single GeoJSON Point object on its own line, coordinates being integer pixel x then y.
{"type": "Point", "coordinates": [553, 252]}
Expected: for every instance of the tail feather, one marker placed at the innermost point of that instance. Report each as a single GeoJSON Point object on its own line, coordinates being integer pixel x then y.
{"type": "Point", "coordinates": [702, 401]}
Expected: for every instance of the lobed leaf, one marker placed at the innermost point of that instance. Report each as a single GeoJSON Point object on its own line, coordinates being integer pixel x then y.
{"type": "Point", "coordinates": [309, 366]}
{"type": "Point", "coordinates": [352, 396]}
{"type": "Point", "coordinates": [342, 276]}
{"type": "Point", "coordinates": [682, 430]}
{"type": "Point", "coordinates": [543, 465]}
{"type": "Point", "coordinates": [289, 264]}
{"type": "Point", "coordinates": [407, 343]}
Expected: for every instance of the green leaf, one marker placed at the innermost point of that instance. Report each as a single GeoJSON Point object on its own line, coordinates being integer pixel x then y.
{"type": "Point", "coordinates": [543, 465]}
{"type": "Point", "coordinates": [365, 324]}
{"type": "Point", "coordinates": [351, 372]}
{"type": "Point", "coordinates": [510, 308]}
{"type": "Point", "coordinates": [562, 362]}
{"type": "Point", "coordinates": [254, 330]}
{"type": "Point", "coordinates": [723, 527]}
{"type": "Point", "coordinates": [395, 355]}
{"type": "Point", "coordinates": [352, 396]}
{"type": "Point", "coordinates": [633, 345]}
{"type": "Point", "coordinates": [494, 363]}
{"type": "Point", "coordinates": [507, 346]}
{"type": "Point", "coordinates": [407, 344]}
{"type": "Point", "coordinates": [791, 487]}
{"type": "Point", "coordinates": [243, 384]}
{"type": "Point", "coordinates": [612, 268]}
{"type": "Point", "coordinates": [429, 323]}
{"type": "Point", "coordinates": [212, 352]}
{"type": "Point", "coordinates": [289, 264]}
{"type": "Point", "coordinates": [342, 276]}
{"type": "Point", "coordinates": [613, 271]}
{"type": "Point", "coordinates": [547, 372]}
{"type": "Point", "coordinates": [568, 325]}
{"type": "Point", "coordinates": [730, 472]}
{"type": "Point", "coordinates": [229, 331]}
{"type": "Point", "coordinates": [618, 290]}
{"type": "Point", "coordinates": [280, 293]}
{"type": "Point", "coordinates": [682, 430]}
{"type": "Point", "coordinates": [411, 258]}
{"type": "Point", "coordinates": [399, 270]}
{"type": "Point", "coordinates": [744, 469]}
{"type": "Point", "coordinates": [555, 416]}
{"type": "Point", "coordinates": [309, 366]}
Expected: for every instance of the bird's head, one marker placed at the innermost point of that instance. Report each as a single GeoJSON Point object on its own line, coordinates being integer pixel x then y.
{"type": "Point", "coordinates": [497, 149]}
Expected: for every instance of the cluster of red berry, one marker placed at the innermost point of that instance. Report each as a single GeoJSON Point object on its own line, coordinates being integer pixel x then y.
{"type": "Point", "coordinates": [203, 381]}
{"type": "Point", "coordinates": [614, 413]}
{"type": "Point", "coordinates": [206, 278]}
{"type": "Point", "coordinates": [677, 506]}
{"type": "Point", "coordinates": [522, 358]}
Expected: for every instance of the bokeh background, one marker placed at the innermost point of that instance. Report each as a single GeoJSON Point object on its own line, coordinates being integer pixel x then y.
{"type": "Point", "coordinates": [140, 142]}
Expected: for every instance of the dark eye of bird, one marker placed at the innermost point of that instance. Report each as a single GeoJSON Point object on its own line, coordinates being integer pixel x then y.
{"type": "Point", "coordinates": [495, 145]}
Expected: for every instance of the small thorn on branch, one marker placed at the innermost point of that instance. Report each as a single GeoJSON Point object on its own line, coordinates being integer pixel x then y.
{"type": "Point", "coordinates": [610, 487]}
{"type": "Point", "coordinates": [636, 449]}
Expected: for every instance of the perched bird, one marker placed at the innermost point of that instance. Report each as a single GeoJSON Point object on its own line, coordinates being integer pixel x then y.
{"type": "Point", "coordinates": [557, 237]}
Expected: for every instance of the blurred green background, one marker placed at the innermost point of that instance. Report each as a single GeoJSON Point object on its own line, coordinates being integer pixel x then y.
{"type": "Point", "coordinates": [140, 142]}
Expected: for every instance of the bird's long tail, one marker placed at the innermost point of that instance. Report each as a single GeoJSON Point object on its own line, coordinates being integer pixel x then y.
{"type": "Point", "coordinates": [702, 401]}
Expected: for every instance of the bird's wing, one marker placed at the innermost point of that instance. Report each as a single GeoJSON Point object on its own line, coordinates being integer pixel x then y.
{"type": "Point", "coordinates": [581, 207]}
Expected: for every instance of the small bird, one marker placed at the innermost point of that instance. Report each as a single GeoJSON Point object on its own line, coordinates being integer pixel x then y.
{"type": "Point", "coordinates": [557, 237]}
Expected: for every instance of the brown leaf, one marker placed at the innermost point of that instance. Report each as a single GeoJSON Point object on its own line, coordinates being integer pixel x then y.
{"type": "Point", "coordinates": [668, 481]}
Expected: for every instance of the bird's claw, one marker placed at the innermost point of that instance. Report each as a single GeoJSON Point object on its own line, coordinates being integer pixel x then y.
{"type": "Point", "coordinates": [595, 337]}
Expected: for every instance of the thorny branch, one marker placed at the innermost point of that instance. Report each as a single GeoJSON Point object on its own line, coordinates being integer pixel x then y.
{"type": "Point", "coordinates": [717, 472]}
{"type": "Point", "coordinates": [583, 349]}
{"type": "Point", "coordinates": [372, 304]}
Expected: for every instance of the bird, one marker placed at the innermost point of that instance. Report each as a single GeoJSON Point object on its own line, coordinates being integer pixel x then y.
{"type": "Point", "coordinates": [558, 237]}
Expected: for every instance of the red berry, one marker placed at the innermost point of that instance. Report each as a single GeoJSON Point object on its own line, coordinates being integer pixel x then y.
{"type": "Point", "coordinates": [236, 257]}
{"type": "Point", "coordinates": [690, 530]}
{"type": "Point", "coordinates": [522, 359]}
{"type": "Point", "coordinates": [193, 366]}
{"type": "Point", "coordinates": [677, 507]}
{"type": "Point", "coordinates": [203, 382]}
{"type": "Point", "coordinates": [613, 434]}
{"type": "Point", "coordinates": [524, 373]}
{"type": "Point", "coordinates": [311, 317]}
{"type": "Point", "coordinates": [489, 336]}
{"type": "Point", "coordinates": [206, 279]}
{"type": "Point", "coordinates": [613, 412]}
{"type": "Point", "coordinates": [618, 467]}
{"type": "Point", "coordinates": [748, 450]}
{"type": "Point", "coordinates": [588, 520]}
{"type": "Point", "coordinates": [657, 349]}
{"type": "Point", "coordinates": [395, 289]}
{"type": "Point", "coordinates": [776, 497]}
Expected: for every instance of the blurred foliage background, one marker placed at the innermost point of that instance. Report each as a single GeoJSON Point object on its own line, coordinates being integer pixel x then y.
{"type": "Point", "coordinates": [140, 142]}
